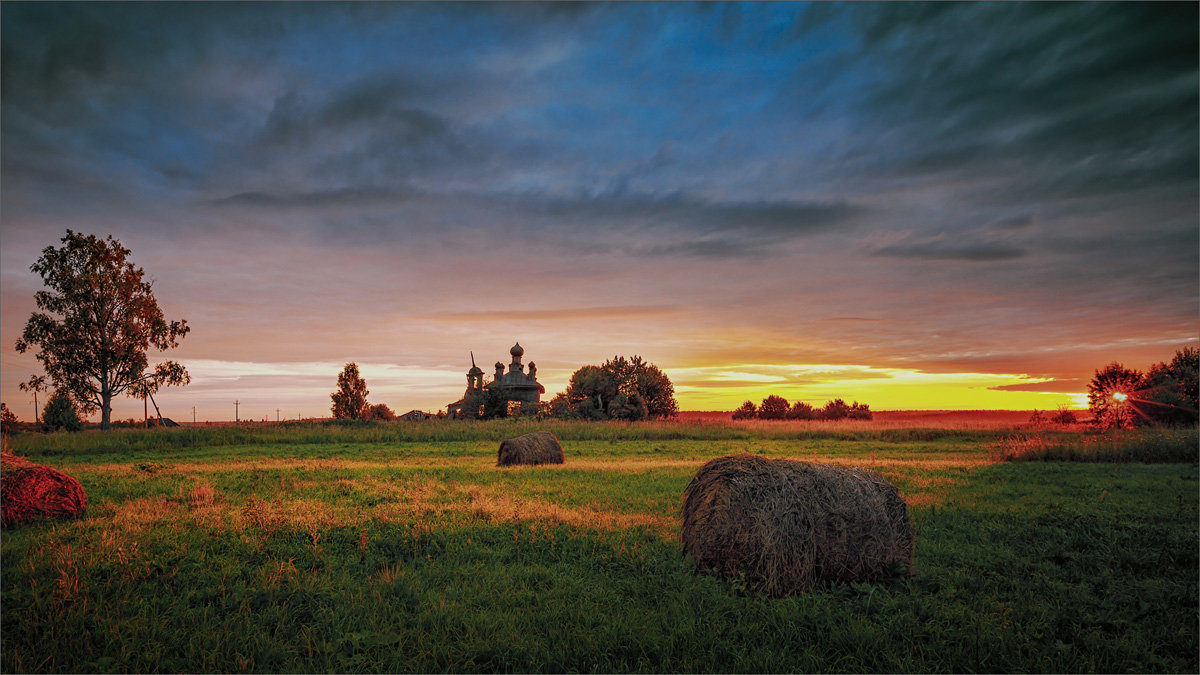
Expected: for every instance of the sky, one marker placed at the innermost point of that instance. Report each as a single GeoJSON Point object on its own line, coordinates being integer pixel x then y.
{"type": "Point", "coordinates": [917, 206]}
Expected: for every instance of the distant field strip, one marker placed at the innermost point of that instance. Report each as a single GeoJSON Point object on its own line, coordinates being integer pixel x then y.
{"type": "Point", "coordinates": [316, 494]}
{"type": "Point", "coordinates": [630, 465]}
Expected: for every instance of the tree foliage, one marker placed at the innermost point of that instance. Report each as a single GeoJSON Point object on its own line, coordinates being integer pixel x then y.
{"type": "Point", "coordinates": [350, 399]}
{"type": "Point", "coordinates": [98, 319]}
{"type": "Point", "coordinates": [746, 411]}
{"type": "Point", "coordinates": [381, 411]}
{"type": "Point", "coordinates": [7, 418]}
{"type": "Point", "coordinates": [60, 412]}
{"type": "Point", "coordinates": [1165, 395]}
{"type": "Point", "coordinates": [1169, 390]}
{"type": "Point", "coordinates": [837, 409]}
{"type": "Point", "coordinates": [1111, 396]}
{"type": "Point", "coordinates": [773, 408]}
{"type": "Point", "coordinates": [802, 411]}
{"type": "Point", "coordinates": [621, 389]}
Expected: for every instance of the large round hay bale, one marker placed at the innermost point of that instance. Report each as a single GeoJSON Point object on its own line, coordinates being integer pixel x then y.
{"type": "Point", "coordinates": [784, 524]}
{"type": "Point", "coordinates": [30, 491]}
{"type": "Point", "coordinates": [539, 447]}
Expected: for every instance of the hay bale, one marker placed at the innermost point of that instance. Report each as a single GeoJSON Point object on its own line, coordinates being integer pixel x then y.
{"type": "Point", "coordinates": [539, 447]}
{"type": "Point", "coordinates": [785, 524]}
{"type": "Point", "coordinates": [30, 491]}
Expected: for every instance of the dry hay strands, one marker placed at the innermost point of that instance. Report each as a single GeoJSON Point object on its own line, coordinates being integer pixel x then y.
{"type": "Point", "coordinates": [539, 447]}
{"type": "Point", "coordinates": [783, 525]}
{"type": "Point", "coordinates": [30, 491]}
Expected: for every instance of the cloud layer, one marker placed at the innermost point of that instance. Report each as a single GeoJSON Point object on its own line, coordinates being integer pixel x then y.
{"type": "Point", "coordinates": [1003, 188]}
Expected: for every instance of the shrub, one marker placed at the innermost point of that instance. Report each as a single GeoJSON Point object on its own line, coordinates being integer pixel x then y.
{"type": "Point", "coordinates": [380, 411]}
{"type": "Point", "coordinates": [7, 418]}
{"type": "Point", "coordinates": [59, 413]}
{"type": "Point", "coordinates": [746, 411]}
{"type": "Point", "coordinates": [835, 410]}
{"type": "Point", "coordinates": [1064, 416]}
{"type": "Point", "coordinates": [773, 408]}
{"type": "Point", "coordinates": [802, 411]}
{"type": "Point", "coordinates": [859, 411]}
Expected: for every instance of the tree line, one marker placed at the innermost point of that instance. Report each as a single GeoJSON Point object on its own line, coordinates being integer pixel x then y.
{"type": "Point", "coordinates": [1165, 395]}
{"type": "Point", "coordinates": [621, 388]}
{"type": "Point", "coordinates": [776, 408]}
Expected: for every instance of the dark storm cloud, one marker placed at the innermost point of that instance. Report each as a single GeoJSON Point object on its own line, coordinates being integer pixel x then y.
{"type": "Point", "coordinates": [357, 197]}
{"type": "Point", "coordinates": [973, 253]}
{"type": "Point", "coordinates": [784, 218]}
{"type": "Point", "coordinates": [1082, 98]}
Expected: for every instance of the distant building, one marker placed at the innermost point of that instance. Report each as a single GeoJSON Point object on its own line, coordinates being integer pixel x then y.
{"type": "Point", "coordinates": [415, 416]}
{"type": "Point", "coordinates": [515, 385]}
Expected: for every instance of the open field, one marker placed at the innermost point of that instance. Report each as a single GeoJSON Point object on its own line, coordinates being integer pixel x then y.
{"type": "Point", "coordinates": [401, 547]}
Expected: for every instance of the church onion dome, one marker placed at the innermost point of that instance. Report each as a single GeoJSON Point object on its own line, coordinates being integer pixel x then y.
{"type": "Point", "coordinates": [517, 350]}
{"type": "Point", "coordinates": [475, 370]}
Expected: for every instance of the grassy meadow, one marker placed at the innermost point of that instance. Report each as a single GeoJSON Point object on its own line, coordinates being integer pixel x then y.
{"type": "Point", "coordinates": [400, 547]}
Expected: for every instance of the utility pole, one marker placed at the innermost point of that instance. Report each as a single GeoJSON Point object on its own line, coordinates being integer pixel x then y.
{"type": "Point", "coordinates": [235, 411]}
{"type": "Point", "coordinates": [193, 414]}
{"type": "Point", "coordinates": [277, 414]}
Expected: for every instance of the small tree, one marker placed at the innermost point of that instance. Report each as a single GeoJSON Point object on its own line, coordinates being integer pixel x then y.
{"type": "Point", "coordinates": [802, 411]}
{"type": "Point", "coordinates": [60, 412]}
{"type": "Point", "coordinates": [381, 411]}
{"type": "Point", "coordinates": [35, 384]}
{"type": "Point", "coordinates": [859, 411]}
{"type": "Point", "coordinates": [1169, 390]}
{"type": "Point", "coordinates": [98, 320]}
{"type": "Point", "coordinates": [746, 411]}
{"type": "Point", "coordinates": [773, 408]}
{"type": "Point", "coordinates": [835, 410]}
{"type": "Point", "coordinates": [7, 418]}
{"type": "Point", "coordinates": [350, 399]}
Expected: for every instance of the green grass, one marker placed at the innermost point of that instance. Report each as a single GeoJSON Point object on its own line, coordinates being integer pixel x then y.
{"type": "Point", "coordinates": [406, 550]}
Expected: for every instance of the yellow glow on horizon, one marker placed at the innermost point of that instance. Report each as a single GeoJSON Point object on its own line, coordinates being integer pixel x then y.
{"type": "Point", "coordinates": [726, 387]}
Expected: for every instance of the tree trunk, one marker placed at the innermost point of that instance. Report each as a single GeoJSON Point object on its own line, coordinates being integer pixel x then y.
{"type": "Point", "coordinates": [105, 410]}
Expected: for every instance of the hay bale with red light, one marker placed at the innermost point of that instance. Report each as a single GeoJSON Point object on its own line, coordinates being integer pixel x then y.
{"type": "Point", "coordinates": [539, 447]}
{"type": "Point", "coordinates": [30, 491]}
{"type": "Point", "coordinates": [783, 525]}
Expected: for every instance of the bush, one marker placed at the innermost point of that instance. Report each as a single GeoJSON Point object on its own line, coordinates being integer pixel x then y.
{"type": "Point", "coordinates": [835, 410]}
{"type": "Point", "coordinates": [746, 411]}
{"type": "Point", "coordinates": [1063, 416]}
{"type": "Point", "coordinates": [59, 413]}
{"type": "Point", "coordinates": [802, 411]}
{"type": "Point", "coordinates": [380, 411]}
{"type": "Point", "coordinates": [773, 408]}
{"type": "Point", "coordinates": [859, 411]}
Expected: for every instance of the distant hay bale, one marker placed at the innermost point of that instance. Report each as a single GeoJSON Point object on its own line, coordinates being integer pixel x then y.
{"type": "Point", "coordinates": [784, 524]}
{"type": "Point", "coordinates": [30, 491]}
{"type": "Point", "coordinates": [539, 447]}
